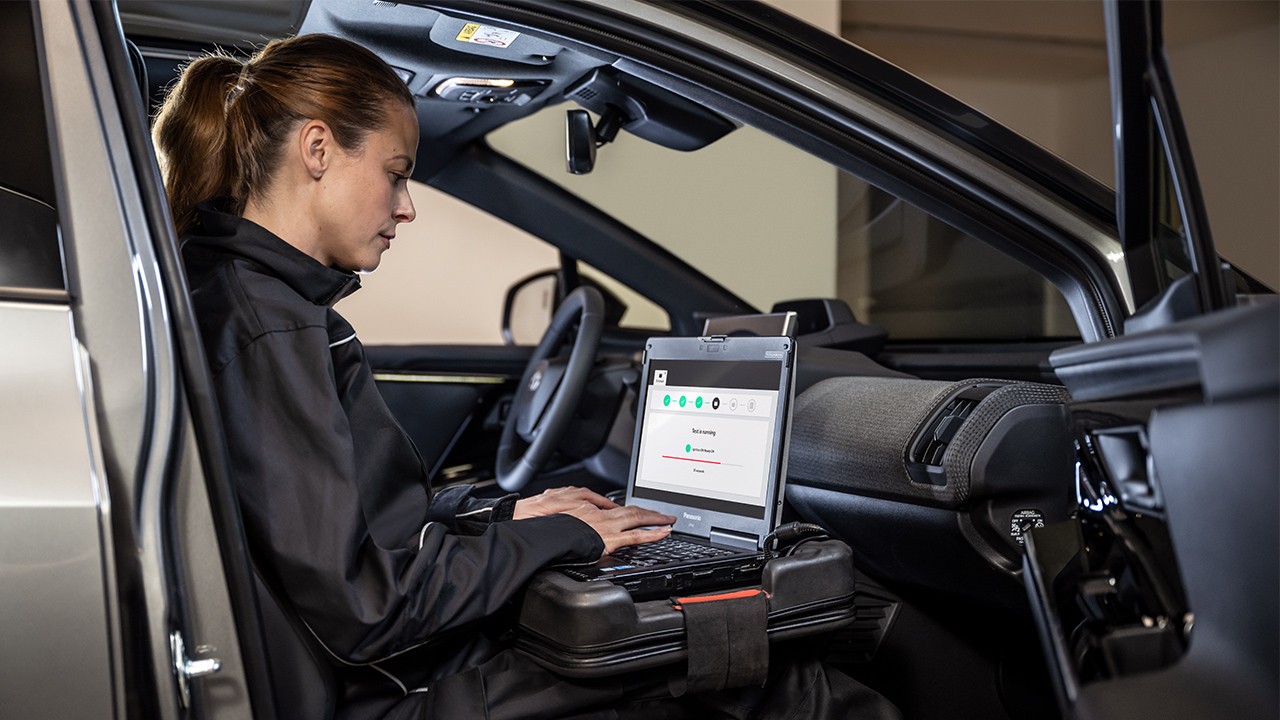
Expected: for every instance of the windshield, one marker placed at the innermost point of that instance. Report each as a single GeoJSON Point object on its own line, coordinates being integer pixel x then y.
{"type": "Point", "coordinates": [772, 223]}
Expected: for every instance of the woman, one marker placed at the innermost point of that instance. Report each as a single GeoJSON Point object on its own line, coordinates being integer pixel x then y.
{"type": "Point", "coordinates": [287, 174]}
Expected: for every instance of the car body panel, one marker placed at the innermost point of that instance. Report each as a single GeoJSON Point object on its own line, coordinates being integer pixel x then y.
{"type": "Point", "coordinates": [122, 319]}
{"type": "Point", "coordinates": [55, 543]}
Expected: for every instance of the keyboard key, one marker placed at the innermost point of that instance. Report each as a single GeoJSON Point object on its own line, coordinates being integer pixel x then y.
{"type": "Point", "coordinates": [665, 551]}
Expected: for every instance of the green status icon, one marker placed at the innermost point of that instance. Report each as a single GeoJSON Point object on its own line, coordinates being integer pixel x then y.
{"type": "Point", "coordinates": [683, 400]}
{"type": "Point", "coordinates": [666, 400]}
{"type": "Point", "coordinates": [697, 403]}
{"type": "Point", "coordinates": [688, 447]}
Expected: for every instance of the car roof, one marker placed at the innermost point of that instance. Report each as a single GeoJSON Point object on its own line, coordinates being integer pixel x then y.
{"type": "Point", "coordinates": [396, 31]}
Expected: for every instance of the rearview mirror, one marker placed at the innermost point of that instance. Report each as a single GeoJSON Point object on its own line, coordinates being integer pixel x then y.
{"type": "Point", "coordinates": [580, 142]}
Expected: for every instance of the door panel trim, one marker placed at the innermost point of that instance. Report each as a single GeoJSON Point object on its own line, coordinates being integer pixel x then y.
{"type": "Point", "coordinates": [401, 377]}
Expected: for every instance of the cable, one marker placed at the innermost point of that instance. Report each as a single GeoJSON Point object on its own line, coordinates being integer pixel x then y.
{"type": "Point", "coordinates": [787, 537]}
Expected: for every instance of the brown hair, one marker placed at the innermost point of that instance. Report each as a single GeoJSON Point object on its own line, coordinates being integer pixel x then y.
{"type": "Point", "coordinates": [221, 129]}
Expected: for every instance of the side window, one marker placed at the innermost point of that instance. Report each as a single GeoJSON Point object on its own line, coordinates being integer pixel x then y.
{"type": "Point", "coordinates": [30, 256]}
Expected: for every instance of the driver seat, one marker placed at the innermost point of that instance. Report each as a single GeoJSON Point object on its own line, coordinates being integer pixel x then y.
{"type": "Point", "coordinates": [303, 682]}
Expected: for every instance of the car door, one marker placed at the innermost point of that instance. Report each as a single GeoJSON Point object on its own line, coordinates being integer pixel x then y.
{"type": "Point", "coordinates": [53, 558]}
{"type": "Point", "coordinates": [1160, 596]}
{"type": "Point", "coordinates": [125, 599]}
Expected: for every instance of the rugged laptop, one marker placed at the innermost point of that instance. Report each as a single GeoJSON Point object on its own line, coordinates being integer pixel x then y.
{"type": "Point", "coordinates": [710, 449]}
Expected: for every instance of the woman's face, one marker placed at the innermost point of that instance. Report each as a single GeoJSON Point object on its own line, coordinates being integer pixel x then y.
{"type": "Point", "coordinates": [368, 195]}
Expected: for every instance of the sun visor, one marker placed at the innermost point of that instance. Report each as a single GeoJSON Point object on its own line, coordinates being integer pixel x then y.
{"type": "Point", "coordinates": [492, 41]}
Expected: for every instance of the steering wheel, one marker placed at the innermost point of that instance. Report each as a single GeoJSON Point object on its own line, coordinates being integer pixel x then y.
{"type": "Point", "coordinates": [549, 392]}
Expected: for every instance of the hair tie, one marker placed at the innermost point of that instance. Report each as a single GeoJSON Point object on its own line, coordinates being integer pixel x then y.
{"type": "Point", "coordinates": [241, 82]}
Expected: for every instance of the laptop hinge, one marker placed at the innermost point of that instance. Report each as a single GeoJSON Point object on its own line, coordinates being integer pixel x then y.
{"type": "Point", "coordinates": [734, 539]}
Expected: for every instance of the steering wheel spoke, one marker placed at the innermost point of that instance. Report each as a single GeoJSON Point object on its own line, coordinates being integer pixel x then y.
{"type": "Point", "coordinates": [539, 392]}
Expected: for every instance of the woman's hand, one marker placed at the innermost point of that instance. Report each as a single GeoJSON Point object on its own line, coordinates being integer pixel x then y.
{"type": "Point", "coordinates": [618, 526]}
{"type": "Point", "coordinates": [621, 526]}
{"type": "Point", "coordinates": [558, 500]}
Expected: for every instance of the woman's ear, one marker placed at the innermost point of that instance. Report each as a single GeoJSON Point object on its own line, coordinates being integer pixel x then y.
{"type": "Point", "coordinates": [316, 145]}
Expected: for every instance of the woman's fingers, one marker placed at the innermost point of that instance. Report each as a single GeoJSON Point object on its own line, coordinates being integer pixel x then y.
{"type": "Point", "coordinates": [558, 500]}
{"type": "Point", "coordinates": [618, 526]}
{"type": "Point", "coordinates": [590, 496]}
{"type": "Point", "coordinates": [637, 537]}
{"type": "Point", "coordinates": [621, 526]}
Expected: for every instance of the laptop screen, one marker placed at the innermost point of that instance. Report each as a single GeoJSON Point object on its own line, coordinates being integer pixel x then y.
{"type": "Point", "coordinates": [711, 434]}
{"type": "Point", "coordinates": [706, 437]}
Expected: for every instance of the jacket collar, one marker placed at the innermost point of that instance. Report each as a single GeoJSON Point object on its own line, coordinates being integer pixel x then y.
{"type": "Point", "coordinates": [224, 233]}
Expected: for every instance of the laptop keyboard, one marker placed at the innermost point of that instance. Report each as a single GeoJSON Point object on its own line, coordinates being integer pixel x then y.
{"type": "Point", "coordinates": [666, 550]}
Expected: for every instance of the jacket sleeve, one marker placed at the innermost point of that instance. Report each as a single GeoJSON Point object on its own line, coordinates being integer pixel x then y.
{"type": "Point", "coordinates": [291, 444]}
{"type": "Point", "coordinates": [468, 515]}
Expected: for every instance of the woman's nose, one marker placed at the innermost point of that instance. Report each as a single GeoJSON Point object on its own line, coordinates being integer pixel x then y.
{"type": "Point", "coordinates": [405, 212]}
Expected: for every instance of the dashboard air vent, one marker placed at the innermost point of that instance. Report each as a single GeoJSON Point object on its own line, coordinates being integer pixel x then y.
{"type": "Point", "coordinates": [927, 450]}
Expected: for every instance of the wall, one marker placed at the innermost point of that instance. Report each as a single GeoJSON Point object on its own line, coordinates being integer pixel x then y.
{"type": "Point", "coordinates": [1229, 89]}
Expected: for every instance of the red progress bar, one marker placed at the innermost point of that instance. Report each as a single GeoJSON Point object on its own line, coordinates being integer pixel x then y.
{"type": "Point", "coordinates": [673, 457]}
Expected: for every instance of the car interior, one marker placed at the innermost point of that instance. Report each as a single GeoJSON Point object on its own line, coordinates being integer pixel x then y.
{"type": "Point", "coordinates": [933, 458]}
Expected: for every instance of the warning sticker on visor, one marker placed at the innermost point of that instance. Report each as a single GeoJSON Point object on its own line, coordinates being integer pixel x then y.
{"type": "Point", "coordinates": [487, 35]}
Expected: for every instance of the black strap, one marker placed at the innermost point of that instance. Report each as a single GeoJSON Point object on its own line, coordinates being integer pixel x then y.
{"type": "Point", "coordinates": [728, 642]}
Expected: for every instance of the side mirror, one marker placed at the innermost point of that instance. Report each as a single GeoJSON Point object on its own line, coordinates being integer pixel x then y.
{"type": "Point", "coordinates": [528, 307]}
{"type": "Point", "coordinates": [530, 303]}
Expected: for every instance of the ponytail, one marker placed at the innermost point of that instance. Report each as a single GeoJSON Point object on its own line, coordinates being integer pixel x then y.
{"type": "Point", "coordinates": [222, 129]}
{"type": "Point", "coordinates": [191, 137]}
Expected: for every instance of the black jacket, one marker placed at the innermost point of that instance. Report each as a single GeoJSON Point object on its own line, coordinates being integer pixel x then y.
{"type": "Point", "coordinates": [334, 496]}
